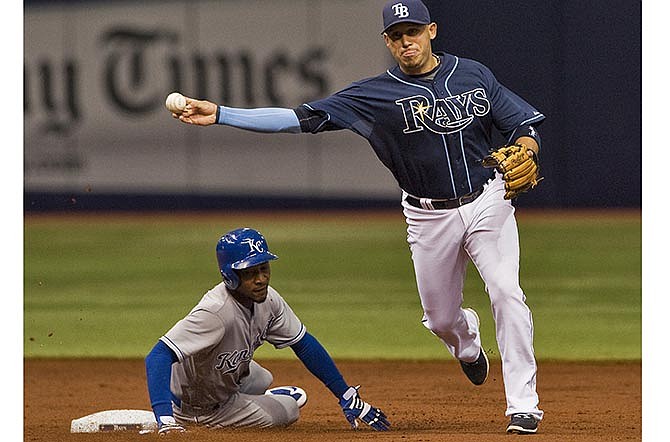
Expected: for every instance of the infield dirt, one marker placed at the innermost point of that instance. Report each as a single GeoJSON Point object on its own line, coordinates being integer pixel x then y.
{"type": "Point", "coordinates": [425, 401]}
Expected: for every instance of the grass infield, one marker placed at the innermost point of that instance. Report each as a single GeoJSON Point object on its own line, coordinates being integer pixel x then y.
{"type": "Point", "coordinates": [110, 285]}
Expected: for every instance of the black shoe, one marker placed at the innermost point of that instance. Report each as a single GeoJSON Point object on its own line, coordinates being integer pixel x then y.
{"type": "Point", "coordinates": [478, 370]}
{"type": "Point", "coordinates": [522, 423]}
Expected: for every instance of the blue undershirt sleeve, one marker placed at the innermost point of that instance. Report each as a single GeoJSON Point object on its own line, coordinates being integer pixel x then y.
{"type": "Point", "coordinates": [158, 365]}
{"type": "Point", "coordinates": [320, 364]}
{"type": "Point", "coordinates": [264, 119]}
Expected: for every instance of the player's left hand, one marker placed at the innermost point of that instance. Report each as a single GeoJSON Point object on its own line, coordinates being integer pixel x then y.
{"type": "Point", "coordinates": [168, 426]}
{"type": "Point", "coordinates": [518, 166]}
{"type": "Point", "coordinates": [355, 408]}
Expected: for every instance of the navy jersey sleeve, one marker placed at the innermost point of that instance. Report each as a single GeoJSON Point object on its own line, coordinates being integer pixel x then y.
{"type": "Point", "coordinates": [509, 111]}
{"type": "Point", "coordinates": [351, 108]}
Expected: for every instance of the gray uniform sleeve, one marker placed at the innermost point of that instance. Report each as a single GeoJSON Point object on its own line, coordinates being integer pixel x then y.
{"type": "Point", "coordinates": [199, 330]}
{"type": "Point", "coordinates": [286, 329]}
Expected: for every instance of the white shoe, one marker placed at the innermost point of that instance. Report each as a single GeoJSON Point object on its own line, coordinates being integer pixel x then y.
{"type": "Point", "coordinates": [296, 393]}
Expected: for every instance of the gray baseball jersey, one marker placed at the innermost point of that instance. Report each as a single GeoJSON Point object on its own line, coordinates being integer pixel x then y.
{"type": "Point", "coordinates": [215, 343]}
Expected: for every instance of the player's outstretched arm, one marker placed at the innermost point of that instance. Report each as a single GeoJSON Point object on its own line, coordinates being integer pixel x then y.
{"type": "Point", "coordinates": [317, 360]}
{"type": "Point", "coordinates": [262, 119]}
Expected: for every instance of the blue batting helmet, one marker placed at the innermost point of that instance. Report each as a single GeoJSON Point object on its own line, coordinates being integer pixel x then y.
{"type": "Point", "coordinates": [240, 249]}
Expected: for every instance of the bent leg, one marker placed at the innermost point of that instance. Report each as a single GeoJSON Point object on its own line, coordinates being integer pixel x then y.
{"type": "Point", "coordinates": [435, 240]}
{"type": "Point", "coordinates": [244, 410]}
{"type": "Point", "coordinates": [257, 381]}
{"type": "Point", "coordinates": [250, 407]}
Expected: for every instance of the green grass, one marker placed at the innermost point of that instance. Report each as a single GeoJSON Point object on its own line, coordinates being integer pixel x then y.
{"type": "Point", "coordinates": [101, 286]}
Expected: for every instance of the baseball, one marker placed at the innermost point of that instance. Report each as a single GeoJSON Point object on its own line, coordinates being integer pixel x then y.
{"type": "Point", "coordinates": [175, 102]}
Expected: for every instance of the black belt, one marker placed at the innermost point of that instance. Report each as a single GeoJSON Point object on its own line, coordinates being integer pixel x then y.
{"type": "Point", "coordinates": [437, 204]}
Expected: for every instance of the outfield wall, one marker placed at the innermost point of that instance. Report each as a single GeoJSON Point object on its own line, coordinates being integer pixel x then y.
{"type": "Point", "coordinates": [97, 76]}
{"type": "Point", "coordinates": [96, 134]}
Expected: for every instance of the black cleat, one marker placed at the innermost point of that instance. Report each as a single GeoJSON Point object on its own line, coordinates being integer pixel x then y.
{"type": "Point", "coordinates": [522, 423]}
{"type": "Point", "coordinates": [477, 371]}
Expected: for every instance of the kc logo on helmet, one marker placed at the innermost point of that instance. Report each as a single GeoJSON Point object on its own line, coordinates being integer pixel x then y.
{"type": "Point", "coordinates": [400, 10]}
{"type": "Point", "coordinates": [254, 246]}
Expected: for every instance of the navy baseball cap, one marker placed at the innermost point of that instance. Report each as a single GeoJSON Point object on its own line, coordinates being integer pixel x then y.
{"type": "Point", "coordinates": [401, 11]}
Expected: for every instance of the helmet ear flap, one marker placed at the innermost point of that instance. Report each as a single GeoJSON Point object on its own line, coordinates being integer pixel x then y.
{"type": "Point", "coordinates": [230, 279]}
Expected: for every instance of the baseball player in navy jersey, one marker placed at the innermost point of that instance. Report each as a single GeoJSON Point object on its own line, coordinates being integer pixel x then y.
{"type": "Point", "coordinates": [202, 372]}
{"type": "Point", "coordinates": [430, 120]}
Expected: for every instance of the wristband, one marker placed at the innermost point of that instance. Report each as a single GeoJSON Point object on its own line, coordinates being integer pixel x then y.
{"type": "Point", "coordinates": [527, 131]}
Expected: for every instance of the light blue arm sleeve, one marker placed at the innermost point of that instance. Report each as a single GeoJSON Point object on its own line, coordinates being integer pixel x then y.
{"type": "Point", "coordinates": [264, 119]}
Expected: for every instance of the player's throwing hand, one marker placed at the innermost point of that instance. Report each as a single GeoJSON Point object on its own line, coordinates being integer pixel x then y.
{"type": "Point", "coordinates": [198, 112]}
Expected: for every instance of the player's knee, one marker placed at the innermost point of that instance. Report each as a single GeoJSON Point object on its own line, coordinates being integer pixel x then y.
{"type": "Point", "coordinates": [257, 381]}
{"type": "Point", "coordinates": [442, 326]}
{"type": "Point", "coordinates": [265, 379]}
{"type": "Point", "coordinates": [502, 288]}
{"type": "Point", "coordinates": [293, 415]}
{"type": "Point", "coordinates": [286, 411]}
{"type": "Point", "coordinates": [503, 293]}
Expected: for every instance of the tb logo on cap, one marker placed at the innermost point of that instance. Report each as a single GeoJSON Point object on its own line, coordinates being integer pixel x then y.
{"type": "Point", "coordinates": [400, 10]}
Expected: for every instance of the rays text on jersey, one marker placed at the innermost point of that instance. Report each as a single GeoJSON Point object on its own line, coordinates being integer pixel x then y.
{"type": "Point", "coordinates": [443, 115]}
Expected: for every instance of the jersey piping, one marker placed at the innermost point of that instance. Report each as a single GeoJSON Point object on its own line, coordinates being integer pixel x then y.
{"type": "Point", "coordinates": [298, 337]}
{"type": "Point", "coordinates": [167, 341]}
{"type": "Point", "coordinates": [323, 123]}
{"type": "Point", "coordinates": [460, 133]}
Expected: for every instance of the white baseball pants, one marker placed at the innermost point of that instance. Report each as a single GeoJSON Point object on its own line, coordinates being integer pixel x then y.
{"type": "Point", "coordinates": [484, 231]}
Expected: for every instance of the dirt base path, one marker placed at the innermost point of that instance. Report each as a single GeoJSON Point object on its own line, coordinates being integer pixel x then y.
{"type": "Point", "coordinates": [425, 401]}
